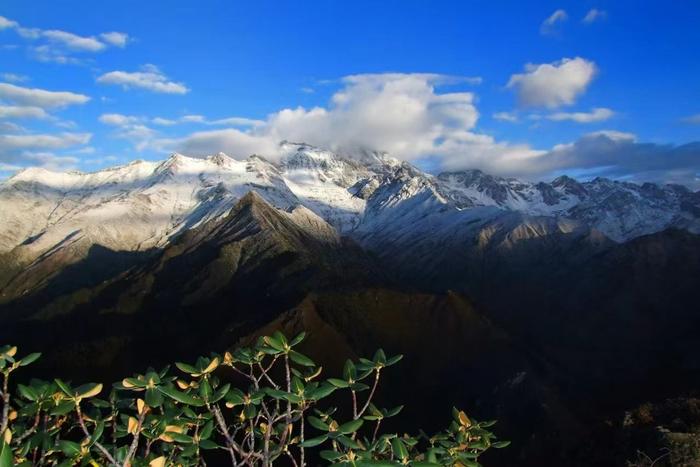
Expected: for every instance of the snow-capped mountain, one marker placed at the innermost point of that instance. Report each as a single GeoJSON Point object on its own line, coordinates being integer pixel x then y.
{"type": "Point", "coordinates": [620, 210]}
{"type": "Point", "coordinates": [369, 196]}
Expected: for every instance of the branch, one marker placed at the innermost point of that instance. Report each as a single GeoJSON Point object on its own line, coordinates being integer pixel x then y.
{"type": "Point", "coordinates": [265, 371]}
{"type": "Point", "coordinates": [240, 372]}
{"type": "Point", "coordinates": [294, 461]}
{"type": "Point", "coordinates": [31, 430]}
{"type": "Point", "coordinates": [371, 394]}
{"type": "Point", "coordinates": [101, 448]}
{"type": "Point", "coordinates": [376, 430]}
{"type": "Point", "coordinates": [354, 405]}
{"type": "Point", "coordinates": [5, 403]}
{"type": "Point", "coordinates": [301, 438]}
{"type": "Point", "coordinates": [233, 446]}
{"type": "Point", "coordinates": [135, 441]}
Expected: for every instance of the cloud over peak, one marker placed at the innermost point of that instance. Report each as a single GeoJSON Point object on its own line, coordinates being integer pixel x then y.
{"type": "Point", "coordinates": [408, 116]}
{"type": "Point", "coordinates": [400, 113]}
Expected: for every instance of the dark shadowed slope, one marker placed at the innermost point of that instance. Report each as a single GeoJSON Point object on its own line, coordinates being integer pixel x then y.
{"type": "Point", "coordinates": [230, 274]}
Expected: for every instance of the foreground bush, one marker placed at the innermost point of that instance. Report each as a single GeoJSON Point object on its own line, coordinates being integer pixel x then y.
{"type": "Point", "coordinates": [158, 419]}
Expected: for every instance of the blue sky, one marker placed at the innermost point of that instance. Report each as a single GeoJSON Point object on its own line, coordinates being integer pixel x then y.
{"type": "Point", "coordinates": [619, 89]}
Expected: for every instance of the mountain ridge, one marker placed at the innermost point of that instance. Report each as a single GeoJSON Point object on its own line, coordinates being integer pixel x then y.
{"type": "Point", "coordinates": [333, 186]}
{"type": "Point", "coordinates": [389, 207]}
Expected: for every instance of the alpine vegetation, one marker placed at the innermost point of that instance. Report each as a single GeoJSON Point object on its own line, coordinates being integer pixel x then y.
{"type": "Point", "coordinates": [199, 415]}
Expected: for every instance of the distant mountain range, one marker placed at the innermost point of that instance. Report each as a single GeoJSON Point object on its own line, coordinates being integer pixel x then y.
{"type": "Point", "coordinates": [551, 306]}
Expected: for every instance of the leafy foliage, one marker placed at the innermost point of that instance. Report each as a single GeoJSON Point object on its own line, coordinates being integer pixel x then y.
{"type": "Point", "coordinates": [157, 419]}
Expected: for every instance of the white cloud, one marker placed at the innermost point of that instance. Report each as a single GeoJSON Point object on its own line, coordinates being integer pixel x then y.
{"type": "Point", "coordinates": [403, 114]}
{"type": "Point", "coordinates": [150, 79]}
{"type": "Point", "coordinates": [85, 150]}
{"type": "Point", "coordinates": [51, 161]}
{"type": "Point", "coordinates": [506, 116]}
{"type": "Point", "coordinates": [73, 41]}
{"type": "Point", "coordinates": [140, 135]}
{"type": "Point", "coordinates": [123, 120]}
{"type": "Point", "coordinates": [29, 33]}
{"type": "Point", "coordinates": [192, 119]}
{"type": "Point", "coordinates": [50, 54]}
{"type": "Point", "coordinates": [164, 121]}
{"type": "Point", "coordinates": [117, 39]}
{"type": "Point", "coordinates": [235, 121]}
{"type": "Point", "coordinates": [14, 77]}
{"type": "Point", "coordinates": [598, 114]}
{"type": "Point", "coordinates": [231, 141]}
{"type": "Point", "coordinates": [118, 119]}
{"type": "Point", "coordinates": [101, 160]}
{"type": "Point", "coordinates": [35, 149]}
{"type": "Point", "coordinates": [620, 155]}
{"type": "Point", "coordinates": [549, 25]}
{"type": "Point", "coordinates": [10, 127]}
{"type": "Point", "coordinates": [9, 167]}
{"type": "Point", "coordinates": [407, 116]}
{"type": "Point", "coordinates": [58, 46]}
{"type": "Point", "coordinates": [6, 23]}
{"type": "Point", "coordinates": [553, 84]}
{"type": "Point", "coordinates": [43, 141]}
{"type": "Point", "coordinates": [13, 111]}
{"type": "Point", "coordinates": [40, 97]}
{"type": "Point", "coordinates": [67, 124]}
{"type": "Point", "coordinates": [594, 15]}
{"type": "Point", "coordinates": [131, 128]}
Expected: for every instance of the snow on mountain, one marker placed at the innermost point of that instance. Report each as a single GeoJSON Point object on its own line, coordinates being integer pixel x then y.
{"type": "Point", "coordinates": [320, 180]}
{"type": "Point", "coordinates": [334, 187]}
{"type": "Point", "coordinates": [367, 195]}
{"type": "Point", "coordinates": [620, 210]}
{"type": "Point", "coordinates": [134, 207]}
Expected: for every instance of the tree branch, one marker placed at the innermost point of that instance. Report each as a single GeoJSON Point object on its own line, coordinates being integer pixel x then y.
{"type": "Point", "coordinates": [371, 394]}
{"type": "Point", "coordinates": [135, 441]}
{"type": "Point", "coordinates": [5, 402]}
{"type": "Point", "coordinates": [101, 448]}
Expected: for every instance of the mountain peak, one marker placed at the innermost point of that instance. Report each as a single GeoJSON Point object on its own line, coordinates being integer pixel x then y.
{"type": "Point", "coordinates": [221, 159]}
{"type": "Point", "coordinates": [563, 180]}
{"type": "Point", "coordinates": [251, 198]}
{"type": "Point", "coordinates": [29, 173]}
{"type": "Point", "coordinates": [253, 214]}
{"type": "Point", "coordinates": [43, 176]}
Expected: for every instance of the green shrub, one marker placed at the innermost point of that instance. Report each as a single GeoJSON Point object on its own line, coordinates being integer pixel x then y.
{"type": "Point", "coordinates": [158, 419]}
